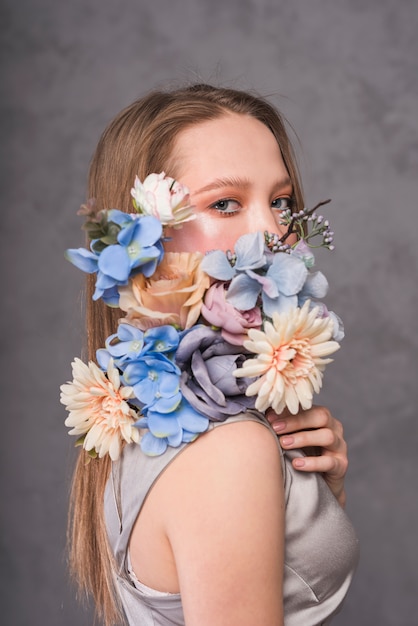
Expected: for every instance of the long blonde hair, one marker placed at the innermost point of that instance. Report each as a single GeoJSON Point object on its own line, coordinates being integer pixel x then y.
{"type": "Point", "coordinates": [140, 141]}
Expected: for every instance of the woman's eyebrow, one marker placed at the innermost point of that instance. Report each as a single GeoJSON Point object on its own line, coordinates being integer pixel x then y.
{"type": "Point", "coordinates": [220, 183]}
{"type": "Point", "coordinates": [243, 183]}
{"type": "Point", "coordinates": [283, 183]}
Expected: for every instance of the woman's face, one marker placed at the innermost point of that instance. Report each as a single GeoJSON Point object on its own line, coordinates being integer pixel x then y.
{"type": "Point", "coordinates": [237, 180]}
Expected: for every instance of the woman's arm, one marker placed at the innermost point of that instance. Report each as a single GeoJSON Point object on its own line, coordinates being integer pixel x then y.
{"type": "Point", "coordinates": [223, 513]}
{"type": "Point", "coordinates": [315, 427]}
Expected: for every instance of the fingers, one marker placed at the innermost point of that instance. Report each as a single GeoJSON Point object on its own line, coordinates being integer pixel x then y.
{"type": "Point", "coordinates": [316, 417]}
{"type": "Point", "coordinates": [319, 438]}
{"type": "Point", "coordinates": [331, 466]}
{"type": "Point", "coordinates": [335, 466]}
{"type": "Point", "coordinates": [315, 428]}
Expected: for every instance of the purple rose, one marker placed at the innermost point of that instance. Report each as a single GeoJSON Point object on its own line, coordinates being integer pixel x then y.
{"type": "Point", "coordinates": [233, 323]}
{"type": "Point", "coordinates": [207, 362]}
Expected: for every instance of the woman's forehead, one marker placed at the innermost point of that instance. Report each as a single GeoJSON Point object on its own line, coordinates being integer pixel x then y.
{"type": "Point", "coordinates": [228, 146]}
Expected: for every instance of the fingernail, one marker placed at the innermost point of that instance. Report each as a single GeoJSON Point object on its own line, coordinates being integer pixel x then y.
{"type": "Point", "coordinates": [286, 441]}
{"type": "Point", "coordinates": [278, 426]}
{"type": "Point", "coordinates": [299, 463]}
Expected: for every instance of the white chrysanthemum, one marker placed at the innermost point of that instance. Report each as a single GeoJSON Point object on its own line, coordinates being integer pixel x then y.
{"type": "Point", "coordinates": [98, 409]}
{"type": "Point", "coordinates": [290, 359]}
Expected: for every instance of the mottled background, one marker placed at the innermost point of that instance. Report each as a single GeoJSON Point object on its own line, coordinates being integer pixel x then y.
{"type": "Point", "coordinates": [345, 74]}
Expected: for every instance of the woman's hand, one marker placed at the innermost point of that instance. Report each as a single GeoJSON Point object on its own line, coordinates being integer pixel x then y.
{"type": "Point", "coordinates": [317, 428]}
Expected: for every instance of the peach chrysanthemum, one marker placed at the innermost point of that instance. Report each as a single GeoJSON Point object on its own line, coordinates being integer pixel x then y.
{"type": "Point", "coordinates": [98, 409]}
{"type": "Point", "coordinates": [290, 359]}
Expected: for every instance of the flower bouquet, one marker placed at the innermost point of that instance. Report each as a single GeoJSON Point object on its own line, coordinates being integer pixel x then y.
{"type": "Point", "coordinates": [204, 337]}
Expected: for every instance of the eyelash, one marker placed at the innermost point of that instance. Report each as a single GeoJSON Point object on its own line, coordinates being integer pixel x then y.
{"type": "Point", "coordinates": [229, 213]}
{"type": "Point", "coordinates": [290, 203]}
{"type": "Point", "coordinates": [223, 212]}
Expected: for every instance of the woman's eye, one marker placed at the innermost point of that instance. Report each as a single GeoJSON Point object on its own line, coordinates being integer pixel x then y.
{"type": "Point", "coordinates": [281, 204]}
{"type": "Point", "coordinates": [227, 206]}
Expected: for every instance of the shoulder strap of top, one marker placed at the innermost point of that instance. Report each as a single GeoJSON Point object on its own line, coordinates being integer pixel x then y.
{"type": "Point", "coordinates": [131, 479]}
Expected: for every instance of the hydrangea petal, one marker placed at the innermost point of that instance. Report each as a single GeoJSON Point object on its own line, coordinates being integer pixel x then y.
{"type": "Point", "coordinates": [148, 231]}
{"type": "Point", "coordinates": [267, 284]}
{"type": "Point", "coordinates": [126, 332]}
{"type": "Point", "coordinates": [153, 446]}
{"type": "Point", "coordinates": [249, 250]}
{"type": "Point", "coordinates": [162, 425]}
{"type": "Point", "coordinates": [161, 339]}
{"type": "Point", "coordinates": [188, 437]}
{"type": "Point", "coordinates": [243, 292]}
{"type": "Point", "coordinates": [128, 231]}
{"type": "Point", "coordinates": [85, 260]}
{"type": "Point", "coordinates": [288, 272]}
{"type": "Point", "coordinates": [175, 440]}
{"type": "Point", "coordinates": [191, 420]}
{"type": "Point", "coordinates": [103, 358]}
{"type": "Point", "coordinates": [144, 390]}
{"type": "Point", "coordinates": [166, 405]}
{"type": "Point", "coordinates": [110, 296]}
{"type": "Point", "coordinates": [134, 372]}
{"type": "Point", "coordinates": [282, 304]}
{"type": "Point", "coordinates": [114, 262]}
{"type": "Point", "coordinates": [338, 327]}
{"type": "Point", "coordinates": [119, 217]}
{"type": "Point", "coordinates": [118, 349]}
{"type": "Point", "coordinates": [104, 282]}
{"type": "Point", "coordinates": [169, 384]}
{"type": "Point", "coordinates": [216, 264]}
{"type": "Point", "coordinates": [150, 265]}
{"type": "Point", "coordinates": [316, 285]}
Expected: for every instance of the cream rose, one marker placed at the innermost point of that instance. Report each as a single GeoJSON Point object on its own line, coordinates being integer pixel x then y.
{"type": "Point", "coordinates": [173, 294]}
{"type": "Point", "coordinates": [164, 198]}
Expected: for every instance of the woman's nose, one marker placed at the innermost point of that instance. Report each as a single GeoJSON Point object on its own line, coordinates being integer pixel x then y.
{"type": "Point", "coordinates": [267, 218]}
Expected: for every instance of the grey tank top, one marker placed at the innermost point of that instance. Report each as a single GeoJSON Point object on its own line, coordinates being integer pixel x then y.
{"type": "Point", "coordinates": [321, 548]}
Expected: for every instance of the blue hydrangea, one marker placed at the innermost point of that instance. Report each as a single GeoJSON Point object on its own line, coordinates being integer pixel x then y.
{"type": "Point", "coordinates": [182, 425]}
{"type": "Point", "coordinates": [155, 380]}
{"type": "Point", "coordinates": [125, 345]}
{"type": "Point", "coordinates": [278, 278]}
{"type": "Point", "coordinates": [161, 340]}
{"type": "Point", "coordinates": [138, 247]}
{"type": "Point", "coordinates": [146, 360]}
{"type": "Point", "coordinates": [130, 344]}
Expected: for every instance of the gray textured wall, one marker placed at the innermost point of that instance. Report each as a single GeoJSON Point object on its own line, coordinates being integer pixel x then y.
{"type": "Point", "coordinates": [345, 74]}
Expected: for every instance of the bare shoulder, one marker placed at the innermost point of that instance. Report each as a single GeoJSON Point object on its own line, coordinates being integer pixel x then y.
{"type": "Point", "coordinates": [224, 495]}
{"type": "Point", "coordinates": [231, 443]}
{"type": "Point", "coordinates": [228, 456]}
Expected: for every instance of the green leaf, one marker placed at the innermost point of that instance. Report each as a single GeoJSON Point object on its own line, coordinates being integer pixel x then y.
{"type": "Point", "coordinates": [113, 229]}
{"type": "Point", "coordinates": [94, 233]}
{"type": "Point", "coordinates": [109, 240]}
{"type": "Point", "coordinates": [98, 246]}
{"type": "Point", "coordinates": [80, 441]}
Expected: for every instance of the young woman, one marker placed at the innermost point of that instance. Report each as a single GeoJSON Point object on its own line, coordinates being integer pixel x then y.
{"type": "Point", "coordinates": [239, 527]}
